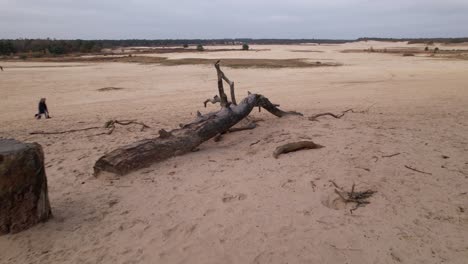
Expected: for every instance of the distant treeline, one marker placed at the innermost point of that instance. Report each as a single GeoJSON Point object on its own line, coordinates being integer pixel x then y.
{"type": "Point", "coordinates": [58, 47]}
{"type": "Point", "coordinates": [419, 40]}
{"type": "Point", "coordinates": [41, 47]}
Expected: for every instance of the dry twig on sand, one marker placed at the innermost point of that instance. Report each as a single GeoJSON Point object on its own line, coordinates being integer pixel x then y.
{"type": "Point", "coordinates": [392, 155]}
{"type": "Point", "coordinates": [111, 124]}
{"type": "Point", "coordinates": [360, 198]}
{"type": "Point", "coordinates": [295, 146]}
{"type": "Point", "coordinates": [314, 117]}
{"type": "Point", "coordinates": [62, 132]}
{"type": "Point", "coordinates": [416, 170]}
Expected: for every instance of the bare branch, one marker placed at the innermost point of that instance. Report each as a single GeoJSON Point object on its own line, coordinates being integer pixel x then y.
{"type": "Point", "coordinates": [314, 117]}
{"type": "Point", "coordinates": [62, 132]}
{"type": "Point", "coordinates": [222, 95]}
{"type": "Point", "coordinates": [214, 100]}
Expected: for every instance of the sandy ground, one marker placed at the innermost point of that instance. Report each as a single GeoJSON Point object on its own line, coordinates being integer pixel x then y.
{"type": "Point", "coordinates": [232, 202]}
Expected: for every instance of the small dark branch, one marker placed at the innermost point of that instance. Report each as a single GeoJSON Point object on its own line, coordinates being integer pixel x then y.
{"type": "Point", "coordinates": [295, 146]}
{"type": "Point", "coordinates": [214, 100]}
{"type": "Point", "coordinates": [392, 155]}
{"type": "Point", "coordinates": [62, 132]}
{"type": "Point", "coordinates": [413, 169]}
{"type": "Point", "coordinates": [314, 117]}
{"type": "Point", "coordinates": [270, 107]}
{"type": "Point", "coordinates": [111, 124]}
{"type": "Point", "coordinates": [334, 184]}
{"type": "Point", "coordinates": [254, 143]}
{"type": "Point", "coordinates": [229, 82]}
{"type": "Point", "coordinates": [222, 95]}
{"type": "Point", "coordinates": [360, 198]}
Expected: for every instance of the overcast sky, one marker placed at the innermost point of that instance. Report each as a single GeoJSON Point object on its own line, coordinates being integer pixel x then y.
{"type": "Point", "coordinates": [157, 19]}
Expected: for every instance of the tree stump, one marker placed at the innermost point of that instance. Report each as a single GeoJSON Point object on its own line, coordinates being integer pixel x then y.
{"type": "Point", "coordinates": [24, 198]}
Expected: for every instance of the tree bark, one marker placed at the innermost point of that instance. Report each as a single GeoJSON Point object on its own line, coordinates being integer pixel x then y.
{"type": "Point", "coordinates": [23, 186]}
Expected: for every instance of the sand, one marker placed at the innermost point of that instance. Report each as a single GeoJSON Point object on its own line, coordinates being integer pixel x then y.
{"type": "Point", "coordinates": [232, 202]}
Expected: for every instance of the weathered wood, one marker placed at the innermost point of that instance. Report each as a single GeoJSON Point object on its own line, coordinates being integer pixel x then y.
{"type": "Point", "coordinates": [222, 95]}
{"type": "Point", "coordinates": [183, 140]}
{"type": "Point", "coordinates": [189, 136]}
{"type": "Point", "coordinates": [295, 146]}
{"type": "Point", "coordinates": [23, 186]}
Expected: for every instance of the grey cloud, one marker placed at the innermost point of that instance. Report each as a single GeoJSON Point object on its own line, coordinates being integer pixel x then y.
{"type": "Point", "coordinates": [239, 18]}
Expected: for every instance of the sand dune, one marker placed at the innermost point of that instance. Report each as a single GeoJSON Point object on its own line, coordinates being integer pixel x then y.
{"type": "Point", "coordinates": [232, 202]}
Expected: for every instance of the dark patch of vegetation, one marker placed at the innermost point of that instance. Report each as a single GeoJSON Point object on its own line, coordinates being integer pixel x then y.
{"type": "Point", "coordinates": [232, 63]}
{"type": "Point", "coordinates": [245, 46]}
{"type": "Point", "coordinates": [200, 47]}
{"type": "Point", "coordinates": [54, 47]}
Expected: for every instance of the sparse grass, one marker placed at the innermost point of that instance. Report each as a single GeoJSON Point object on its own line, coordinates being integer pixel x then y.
{"type": "Point", "coordinates": [233, 63]}
{"type": "Point", "coordinates": [126, 58]}
{"type": "Point", "coordinates": [251, 63]}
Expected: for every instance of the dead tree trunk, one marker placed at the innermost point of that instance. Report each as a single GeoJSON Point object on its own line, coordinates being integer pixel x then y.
{"type": "Point", "coordinates": [23, 186]}
{"type": "Point", "coordinates": [185, 139]}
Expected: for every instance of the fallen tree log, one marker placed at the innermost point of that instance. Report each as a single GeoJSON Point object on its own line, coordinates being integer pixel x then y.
{"type": "Point", "coordinates": [183, 140]}
{"type": "Point", "coordinates": [187, 138]}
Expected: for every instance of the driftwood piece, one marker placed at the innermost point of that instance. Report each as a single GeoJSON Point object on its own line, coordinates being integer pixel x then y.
{"type": "Point", "coordinates": [188, 137]}
{"type": "Point", "coordinates": [183, 140]}
{"type": "Point", "coordinates": [295, 146]}
{"type": "Point", "coordinates": [24, 198]}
